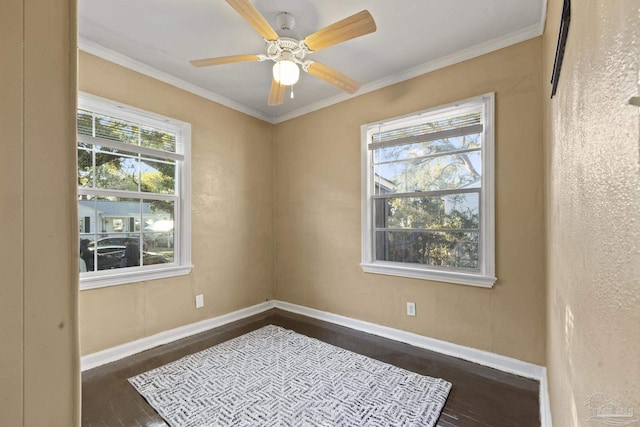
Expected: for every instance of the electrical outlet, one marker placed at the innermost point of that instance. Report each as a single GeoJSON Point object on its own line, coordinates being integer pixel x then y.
{"type": "Point", "coordinates": [199, 301]}
{"type": "Point", "coordinates": [411, 309]}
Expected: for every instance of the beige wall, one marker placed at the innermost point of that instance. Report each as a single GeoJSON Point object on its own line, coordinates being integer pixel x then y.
{"type": "Point", "coordinates": [318, 211]}
{"type": "Point", "coordinates": [39, 367]}
{"type": "Point", "coordinates": [316, 159]}
{"type": "Point", "coordinates": [231, 219]}
{"type": "Point", "coordinates": [593, 199]}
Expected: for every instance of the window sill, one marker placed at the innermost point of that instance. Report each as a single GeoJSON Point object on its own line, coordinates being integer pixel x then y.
{"type": "Point", "coordinates": [101, 280]}
{"type": "Point", "coordinates": [460, 278]}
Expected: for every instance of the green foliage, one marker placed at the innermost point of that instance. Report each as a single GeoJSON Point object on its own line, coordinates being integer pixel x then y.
{"type": "Point", "coordinates": [117, 169]}
{"type": "Point", "coordinates": [416, 237]}
{"type": "Point", "coordinates": [438, 230]}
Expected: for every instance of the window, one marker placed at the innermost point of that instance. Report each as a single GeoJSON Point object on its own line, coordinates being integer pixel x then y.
{"type": "Point", "coordinates": [428, 204]}
{"type": "Point", "coordinates": [133, 194]}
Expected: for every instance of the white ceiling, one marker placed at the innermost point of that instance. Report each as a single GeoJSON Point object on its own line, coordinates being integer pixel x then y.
{"type": "Point", "coordinates": [159, 37]}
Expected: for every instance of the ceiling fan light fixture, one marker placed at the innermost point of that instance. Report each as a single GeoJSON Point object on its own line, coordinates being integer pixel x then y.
{"type": "Point", "coordinates": [286, 72]}
{"type": "Point", "coordinates": [288, 49]}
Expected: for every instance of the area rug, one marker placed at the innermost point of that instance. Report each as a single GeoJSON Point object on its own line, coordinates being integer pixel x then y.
{"type": "Point", "coordinates": [277, 377]}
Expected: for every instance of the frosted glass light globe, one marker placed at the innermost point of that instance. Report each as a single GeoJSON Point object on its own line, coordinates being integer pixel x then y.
{"type": "Point", "coordinates": [286, 72]}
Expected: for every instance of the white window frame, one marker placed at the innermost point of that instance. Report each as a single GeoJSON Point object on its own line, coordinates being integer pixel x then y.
{"type": "Point", "coordinates": [485, 276]}
{"type": "Point", "coordinates": [182, 219]}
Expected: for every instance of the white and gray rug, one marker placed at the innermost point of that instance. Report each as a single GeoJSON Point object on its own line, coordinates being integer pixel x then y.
{"type": "Point", "coordinates": [276, 377]}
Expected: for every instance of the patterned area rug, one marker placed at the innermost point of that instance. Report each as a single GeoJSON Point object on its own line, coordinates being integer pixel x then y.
{"type": "Point", "coordinates": [276, 377]}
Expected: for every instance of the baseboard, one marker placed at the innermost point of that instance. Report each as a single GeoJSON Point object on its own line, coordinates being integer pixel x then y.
{"type": "Point", "coordinates": [485, 358]}
{"type": "Point", "coordinates": [545, 403]}
{"type": "Point", "coordinates": [121, 351]}
{"type": "Point", "coordinates": [481, 357]}
{"type": "Point", "coordinates": [503, 363]}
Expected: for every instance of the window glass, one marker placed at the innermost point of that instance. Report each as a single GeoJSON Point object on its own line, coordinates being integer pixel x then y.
{"type": "Point", "coordinates": [443, 172]}
{"type": "Point", "coordinates": [429, 200]}
{"type": "Point", "coordinates": [129, 197]}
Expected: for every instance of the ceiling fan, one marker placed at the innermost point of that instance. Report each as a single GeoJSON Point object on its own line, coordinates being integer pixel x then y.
{"type": "Point", "coordinates": [289, 53]}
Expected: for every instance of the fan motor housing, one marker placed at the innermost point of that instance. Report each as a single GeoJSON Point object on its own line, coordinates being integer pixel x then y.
{"type": "Point", "coordinates": [293, 49]}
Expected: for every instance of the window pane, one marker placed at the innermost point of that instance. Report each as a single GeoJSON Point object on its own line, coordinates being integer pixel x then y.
{"type": "Point", "coordinates": [87, 229]}
{"type": "Point", "coordinates": [118, 250]}
{"type": "Point", "coordinates": [157, 176]}
{"type": "Point", "coordinates": [120, 243]}
{"type": "Point", "coordinates": [116, 172]}
{"type": "Point", "coordinates": [127, 132]}
{"type": "Point", "coordinates": [85, 167]}
{"type": "Point", "coordinates": [443, 124]}
{"type": "Point", "coordinates": [450, 211]}
{"type": "Point", "coordinates": [111, 232]}
{"type": "Point", "coordinates": [116, 130]}
{"type": "Point", "coordinates": [87, 255]}
{"type": "Point", "coordinates": [442, 249]}
{"type": "Point", "coordinates": [117, 215]}
{"type": "Point", "coordinates": [117, 233]}
{"type": "Point", "coordinates": [109, 257]}
{"type": "Point", "coordinates": [159, 140]}
{"type": "Point", "coordinates": [420, 149]}
{"type": "Point", "coordinates": [438, 173]}
{"type": "Point", "coordinates": [158, 233]}
{"type": "Point", "coordinates": [85, 123]}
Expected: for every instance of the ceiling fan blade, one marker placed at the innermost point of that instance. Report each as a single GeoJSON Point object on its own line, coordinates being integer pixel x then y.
{"type": "Point", "coordinates": [276, 96]}
{"type": "Point", "coordinates": [254, 18]}
{"type": "Point", "coordinates": [207, 62]}
{"type": "Point", "coordinates": [349, 28]}
{"type": "Point", "coordinates": [332, 76]}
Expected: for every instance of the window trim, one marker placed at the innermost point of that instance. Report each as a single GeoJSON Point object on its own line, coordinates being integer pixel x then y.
{"type": "Point", "coordinates": [183, 266]}
{"type": "Point", "coordinates": [485, 277]}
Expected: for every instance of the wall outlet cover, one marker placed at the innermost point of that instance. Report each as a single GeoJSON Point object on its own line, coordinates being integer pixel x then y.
{"type": "Point", "coordinates": [411, 309]}
{"type": "Point", "coordinates": [199, 301]}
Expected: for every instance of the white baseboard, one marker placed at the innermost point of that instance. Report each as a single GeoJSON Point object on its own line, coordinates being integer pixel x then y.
{"type": "Point", "coordinates": [545, 403]}
{"type": "Point", "coordinates": [485, 358]}
{"type": "Point", "coordinates": [481, 357]}
{"type": "Point", "coordinates": [503, 363]}
{"type": "Point", "coordinates": [121, 351]}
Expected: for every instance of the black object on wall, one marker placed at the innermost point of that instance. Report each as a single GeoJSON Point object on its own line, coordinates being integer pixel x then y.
{"type": "Point", "coordinates": [562, 41]}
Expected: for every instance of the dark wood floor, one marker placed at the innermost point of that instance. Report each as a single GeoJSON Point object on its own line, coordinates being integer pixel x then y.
{"type": "Point", "coordinates": [480, 396]}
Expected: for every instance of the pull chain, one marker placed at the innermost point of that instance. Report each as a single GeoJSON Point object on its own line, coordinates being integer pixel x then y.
{"type": "Point", "coordinates": [291, 91]}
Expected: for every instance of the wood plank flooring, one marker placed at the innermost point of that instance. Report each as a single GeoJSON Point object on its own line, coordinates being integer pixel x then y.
{"type": "Point", "coordinates": [480, 396]}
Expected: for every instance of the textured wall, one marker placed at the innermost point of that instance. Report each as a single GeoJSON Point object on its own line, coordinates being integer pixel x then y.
{"type": "Point", "coordinates": [11, 214]}
{"type": "Point", "coordinates": [231, 218]}
{"type": "Point", "coordinates": [318, 211]}
{"type": "Point", "coordinates": [593, 204]}
{"type": "Point", "coordinates": [39, 367]}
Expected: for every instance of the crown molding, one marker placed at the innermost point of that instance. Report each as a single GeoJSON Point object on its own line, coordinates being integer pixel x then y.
{"type": "Point", "coordinates": [463, 55]}
{"type": "Point", "coordinates": [142, 68]}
